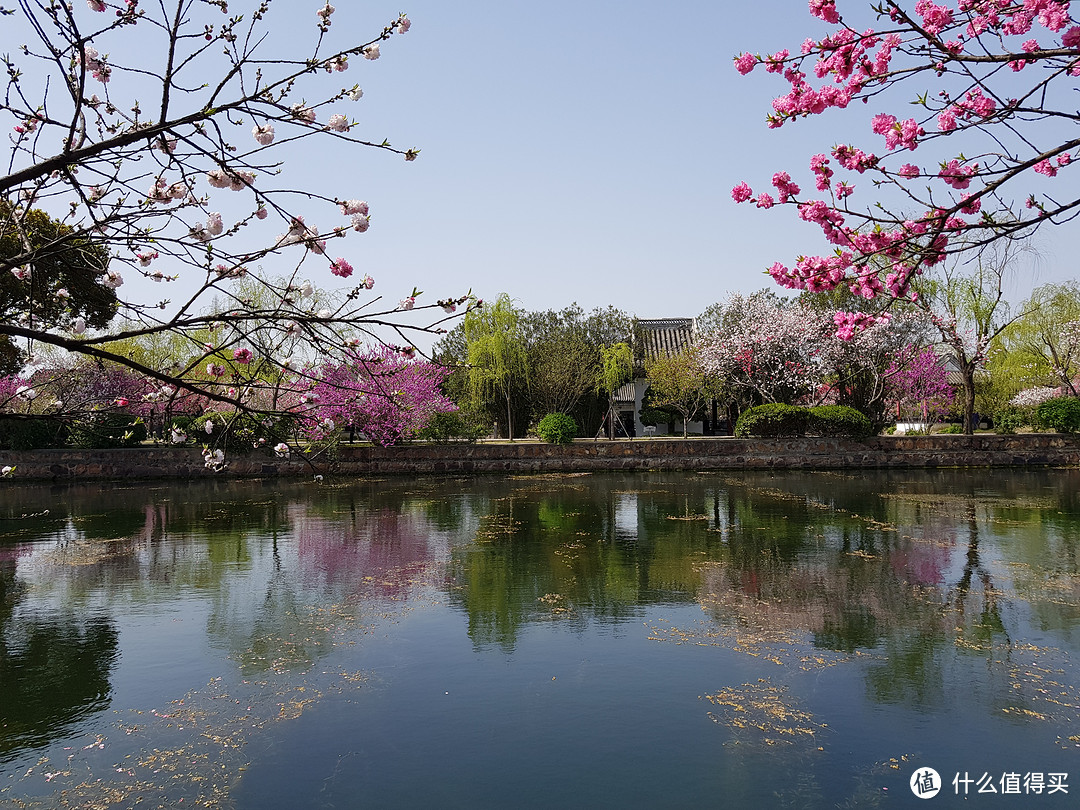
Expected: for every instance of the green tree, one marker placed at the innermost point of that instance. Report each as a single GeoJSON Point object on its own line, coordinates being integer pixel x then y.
{"type": "Point", "coordinates": [57, 286]}
{"type": "Point", "coordinates": [1047, 337]}
{"type": "Point", "coordinates": [564, 355]}
{"type": "Point", "coordinates": [616, 369]}
{"type": "Point", "coordinates": [680, 382]}
{"type": "Point", "coordinates": [496, 356]}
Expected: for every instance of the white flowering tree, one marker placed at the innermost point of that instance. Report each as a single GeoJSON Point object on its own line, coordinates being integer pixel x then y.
{"type": "Point", "coordinates": [966, 304]}
{"type": "Point", "coordinates": [765, 346]}
{"type": "Point", "coordinates": [160, 136]}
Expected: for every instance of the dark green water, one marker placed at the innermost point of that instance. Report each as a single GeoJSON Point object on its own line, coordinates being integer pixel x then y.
{"type": "Point", "coordinates": [655, 640]}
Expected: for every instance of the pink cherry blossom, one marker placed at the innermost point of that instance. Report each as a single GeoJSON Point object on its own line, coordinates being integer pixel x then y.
{"type": "Point", "coordinates": [340, 267]}
{"type": "Point", "coordinates": [744, 63]}
{"type": "Point", "coordinates": [338, 123]}
{"type": "Point", "coordinates": [353, 207]}
{"type": "Point", "coordinates": [1046, 167]}
{"type": "Point", "coordinates": [741, 193]}
{"type": "Point", "coordinates": [242, 356]}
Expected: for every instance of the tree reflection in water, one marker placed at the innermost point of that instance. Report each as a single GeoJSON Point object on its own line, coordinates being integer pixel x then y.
{"type": "Point", "coordinates": [929, 584]}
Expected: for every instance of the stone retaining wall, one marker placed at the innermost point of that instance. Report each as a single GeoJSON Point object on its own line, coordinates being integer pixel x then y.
{"type": "Point", "coordinates": [984, 450]}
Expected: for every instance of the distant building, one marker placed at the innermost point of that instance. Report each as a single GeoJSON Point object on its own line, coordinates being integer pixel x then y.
{"type": "Point", "coordinates": [651, 339]}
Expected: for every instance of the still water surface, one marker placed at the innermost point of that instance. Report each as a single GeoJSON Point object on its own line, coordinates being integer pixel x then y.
{"type": "Point", "coordinates": [653, 640]}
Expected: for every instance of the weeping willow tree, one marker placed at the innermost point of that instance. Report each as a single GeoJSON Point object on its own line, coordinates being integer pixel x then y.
{"type": "Point", "coordinates": [496, 356]}
{"type": "Point", "coordinates": [616, 369]}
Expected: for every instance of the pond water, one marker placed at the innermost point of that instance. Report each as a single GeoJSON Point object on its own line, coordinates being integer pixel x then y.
{"type": "Point", "coordinates": [653, 640]}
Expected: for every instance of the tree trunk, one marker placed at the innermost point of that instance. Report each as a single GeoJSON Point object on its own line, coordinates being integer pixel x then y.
{"type": "Point", "coordinates": [968, 372]}
{"type": "Point", "coordinates": [509, 419]}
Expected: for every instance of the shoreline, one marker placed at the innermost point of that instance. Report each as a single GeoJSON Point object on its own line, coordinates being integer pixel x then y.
{"type": "Point", "coordinates": [584, 455]}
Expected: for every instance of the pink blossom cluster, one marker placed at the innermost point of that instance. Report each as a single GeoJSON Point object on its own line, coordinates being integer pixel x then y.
{"type": "Point", "coordinates": [848, 323]}
{"type": "Point", "coordinates": [380, 392]}
{"type": "Point", "coordinates": [341, 267]}
{"type": "Point", "coordinates": [974, 106]}
{"type": "Point", "coordinates": [935, 18]}
{"type": "Point", "coordinates": [919, 384]}
{"type": "Point", "coordinates": [956, 175]}
{"type": "Point", "coordinates": [300, 233]}
{"type": "Point", "coordinates": [232, 179]}
{"type": "Point", "coordinates": [164, 192]}
{"type": "Point", "coordinates": [1030, 397]}
{"type": "Point", "coordinates": [767, 346]}
{"type": "Point", "coordinates": [263, 134]}
{"type": "Point", "coordinates": [819, 165]}
{"type": "Point", "coordinates": [95, 63]}
{"type": "Point", "coordinates": [904, 135]}
{"type": "Point", "coordinates": [338, 123]}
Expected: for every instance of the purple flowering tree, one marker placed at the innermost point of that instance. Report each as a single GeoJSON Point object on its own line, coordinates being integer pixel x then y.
{"type": "Point", "coordinates": [919, 385]}
{"type": "Point", "coordinates": [379, 392]}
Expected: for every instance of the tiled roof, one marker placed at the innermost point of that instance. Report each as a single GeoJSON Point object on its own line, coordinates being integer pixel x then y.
{"type": "Point", "coordinates": [661, 337]}
{"type": "Point", "coordinates": [626, 395]}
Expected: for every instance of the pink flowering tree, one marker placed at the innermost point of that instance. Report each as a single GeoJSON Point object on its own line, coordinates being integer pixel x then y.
{"type": "Point", "coordinates": [982, 158]}
{"type": "Point", "coordinates": [379, 392]}
{"type": "Point", "coordinates": [860, 369]}
{"type": "Point", "coordinates": [162, 137]}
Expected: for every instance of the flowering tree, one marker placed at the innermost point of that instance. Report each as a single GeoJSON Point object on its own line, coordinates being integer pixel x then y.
{"type": "Point", "coordinates": [919, 384]}
{"type": "Point", "coordinates": [765, 346]}
{"type": "Point", "coordinates": [997, 124]}
{"type": "Point", "coordinates": [379, 392]}
{"type": "Point", "coordinates": [860, 370]}
{"type": "Point", "coordinates": [159, 140]}
{"type": "Point", "coordinates": [967, 307]}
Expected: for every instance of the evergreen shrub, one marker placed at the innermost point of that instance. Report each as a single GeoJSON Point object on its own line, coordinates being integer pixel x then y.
{"type": "Point", "coordinates": [774, 419]}
{"type": "Point", "coordinates": [557, 428]}
{"type": "Point", "coordinates": [33, 433]}
{"type": "Point", "coordinates": [453, 426]}
{"type": "Point", "coordinates": [1060, 413]}
{"type": "Point", "coordinates": [106, 429]}
{"type": "Point", "coordinates": [1010, 418]}
{"type": "Point", "coordinates": [838, 420]}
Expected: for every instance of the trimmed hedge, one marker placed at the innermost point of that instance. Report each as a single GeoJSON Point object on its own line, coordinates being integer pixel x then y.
{"type": "Point", "coordinates": [557, 428]}
{"type": "Point", "coordinates": [1060, 413]}
{"type": "Point", "coordinates": [776, 419]}
{"type": "Point", "coordinates": [106, 429]}
{"type": "Point", "coordinates": [32, 433]}
{"type": "Point", "coordinates": [838, 420]}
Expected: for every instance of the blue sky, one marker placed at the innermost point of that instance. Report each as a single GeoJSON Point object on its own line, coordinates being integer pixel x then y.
{"type": "Point", "coordinates": [574, 152]}
{"type": "Point", "coordinates": [586, 152]}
